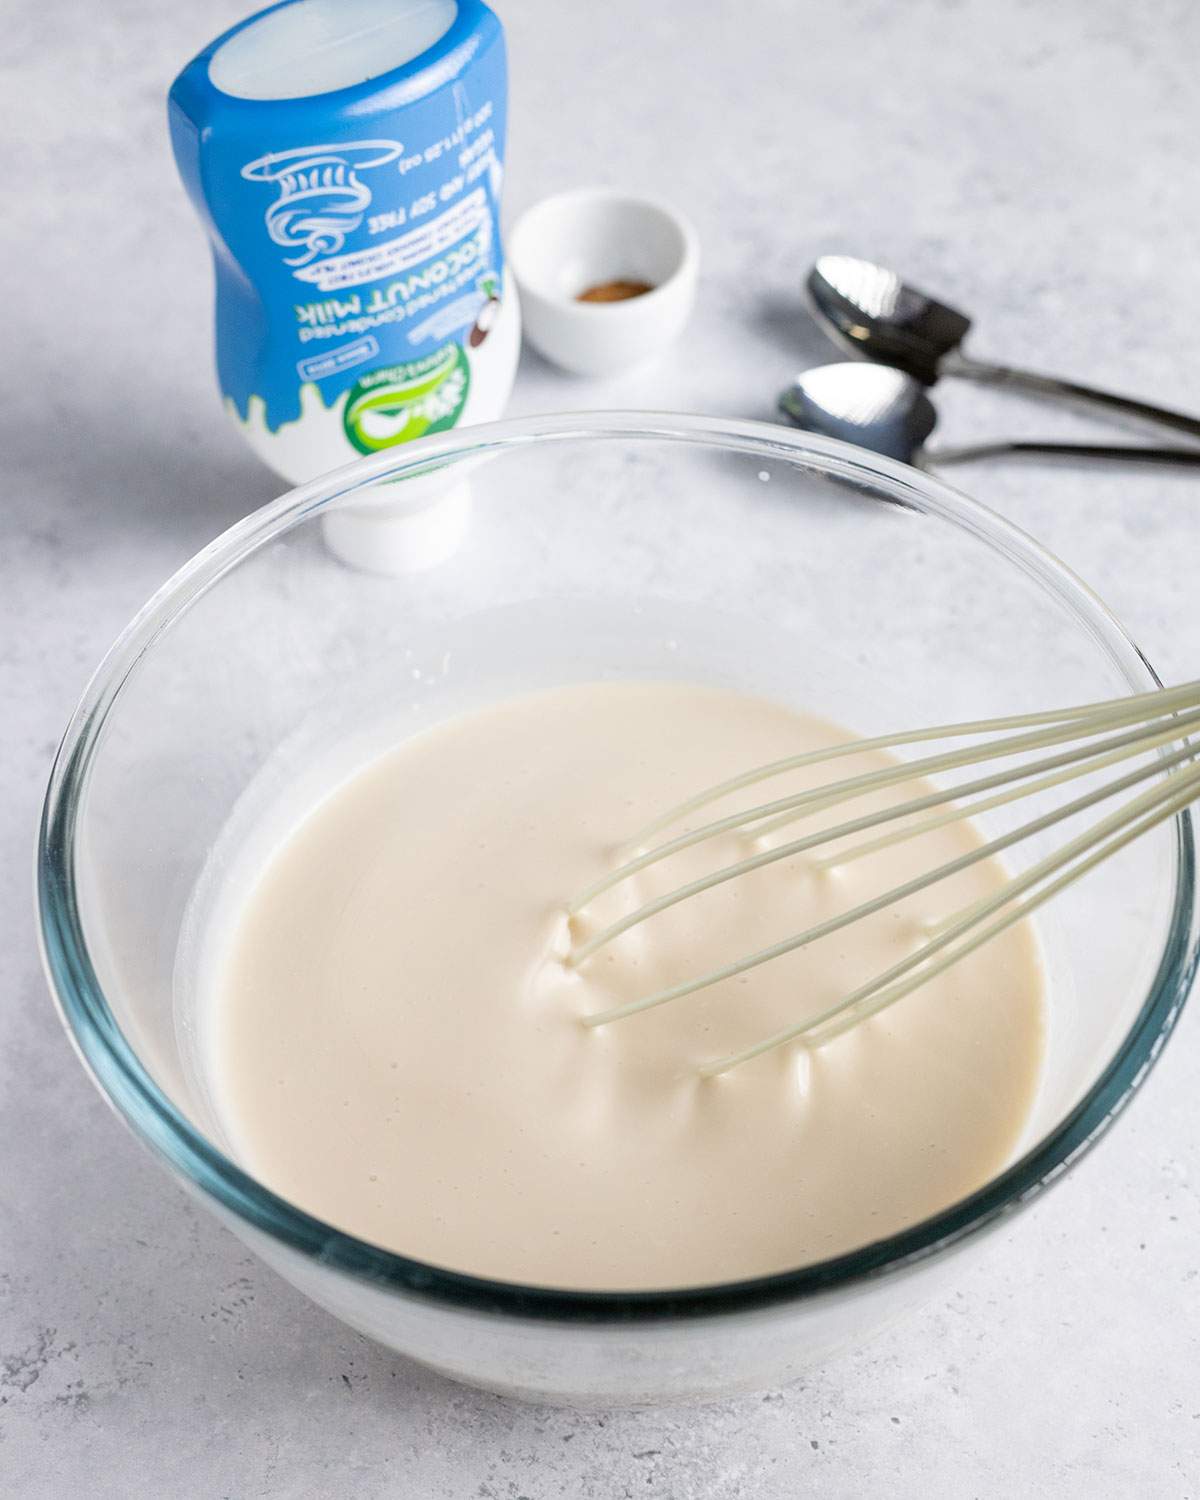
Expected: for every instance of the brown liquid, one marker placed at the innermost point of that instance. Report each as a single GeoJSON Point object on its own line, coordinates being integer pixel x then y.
{"type": "Point", "coordinates": [395, 1042]}
{"type": "Point", "coordinates": [615, 291]}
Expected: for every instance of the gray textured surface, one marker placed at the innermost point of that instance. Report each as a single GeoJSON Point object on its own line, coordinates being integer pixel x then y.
{"type": "Point", "coordinates": [1037, 162]}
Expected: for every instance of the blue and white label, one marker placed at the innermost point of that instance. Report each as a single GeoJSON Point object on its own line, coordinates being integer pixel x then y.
{"type": "Point", "coordinates": [358, 260]}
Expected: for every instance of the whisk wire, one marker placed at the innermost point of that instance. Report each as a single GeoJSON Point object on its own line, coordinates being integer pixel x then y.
{"type": "Point", "coordinates": [1105, 839]}
{"type": "Point", "coordinates": [1015, 794]}
{"type": "Point", "coordinates": [884, 998]}
{"type": "Point", "coordinates": [1083, 759]}
{"type": "Point", "coordinates": [784, 809]}
{"type": "Point", "coordinates": [1096, 736]}
{"type": "Point", "coordinates": [1163, 700]}
{"type": "Point", "coordinates": [894, 894]}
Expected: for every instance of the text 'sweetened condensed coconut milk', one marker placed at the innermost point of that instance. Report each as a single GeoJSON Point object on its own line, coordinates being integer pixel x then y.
{"type": "Point", "coordinates": [346, 157]}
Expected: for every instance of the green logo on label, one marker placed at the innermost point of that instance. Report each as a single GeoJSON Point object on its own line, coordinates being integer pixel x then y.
{"type": "Point", "coordinates": [402, 402]}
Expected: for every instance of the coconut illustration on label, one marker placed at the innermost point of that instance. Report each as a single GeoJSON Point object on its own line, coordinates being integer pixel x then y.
{"type": "Point", "coordinates": [488, 313]}
{"type": "Point", "coordinates": [346, 157]}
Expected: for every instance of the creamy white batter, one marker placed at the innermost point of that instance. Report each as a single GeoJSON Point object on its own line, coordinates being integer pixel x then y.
{"type": "Point", "coordinates": [394, 1041]}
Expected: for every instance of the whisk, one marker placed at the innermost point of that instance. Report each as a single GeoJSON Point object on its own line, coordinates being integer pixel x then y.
{"type": "Point", "coordinates": [1085, 739]}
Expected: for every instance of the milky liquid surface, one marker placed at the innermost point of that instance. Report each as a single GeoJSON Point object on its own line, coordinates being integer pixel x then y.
{"type": "Point", "coordinates": [394, 1043]}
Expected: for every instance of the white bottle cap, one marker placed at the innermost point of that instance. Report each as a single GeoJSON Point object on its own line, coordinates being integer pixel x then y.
{"type": "Point", "coordinates": [399, 533]}
{"type": "Point", "coordinates": [316, 46]}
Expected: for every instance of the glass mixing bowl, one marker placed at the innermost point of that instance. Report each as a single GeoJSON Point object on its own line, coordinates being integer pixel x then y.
{"type": "Point", "coordinates": [545, 551]}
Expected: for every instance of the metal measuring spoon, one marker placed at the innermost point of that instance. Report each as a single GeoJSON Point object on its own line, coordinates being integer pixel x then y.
{"type": "Point", "coordinates": [887, 411]}
{"type": "Point", "coordinates": [873, 314]}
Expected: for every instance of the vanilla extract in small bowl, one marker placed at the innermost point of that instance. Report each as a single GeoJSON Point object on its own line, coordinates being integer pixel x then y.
{"type": "Point", "coordinates": [619, 290]}
{"type": "Point", "coordinates": [593, 247]}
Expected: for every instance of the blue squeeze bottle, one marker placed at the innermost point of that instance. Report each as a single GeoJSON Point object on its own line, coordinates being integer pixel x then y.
{"type": "Point", "coordinates": [346, 158]}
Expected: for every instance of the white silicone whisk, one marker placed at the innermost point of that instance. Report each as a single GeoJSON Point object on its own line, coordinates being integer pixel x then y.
{"type": "Point", "coordinates": [1081, 741]}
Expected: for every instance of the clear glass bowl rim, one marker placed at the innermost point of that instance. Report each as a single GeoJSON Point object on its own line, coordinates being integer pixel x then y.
{"type": "Point", "coordinates": [121, 1079]}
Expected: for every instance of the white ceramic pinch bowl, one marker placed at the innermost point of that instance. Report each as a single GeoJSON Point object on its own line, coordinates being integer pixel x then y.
{"type": "Point", "coordinates": [576, 240]}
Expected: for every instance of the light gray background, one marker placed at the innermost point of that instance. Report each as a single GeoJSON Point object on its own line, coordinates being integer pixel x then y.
{"type": "Point", "coordinates": [1037, 162]}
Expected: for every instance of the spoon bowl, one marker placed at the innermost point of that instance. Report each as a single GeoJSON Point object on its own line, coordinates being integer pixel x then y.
{"type": "Point", "coordinates": [873, 314]}
{"type": "Point", "coordinates": [872, 406]}
{"type": "Point", "coordinates": [889, 412]}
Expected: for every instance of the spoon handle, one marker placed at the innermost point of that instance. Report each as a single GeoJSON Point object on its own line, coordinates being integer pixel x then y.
{"type": "Point", "coordinates": [1051, 385]}
{"type": "Point", "coordinates": [1105, 452]}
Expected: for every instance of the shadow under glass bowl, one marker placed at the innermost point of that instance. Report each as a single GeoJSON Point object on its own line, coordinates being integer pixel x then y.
{"type": "Point", "coordinates": [581, 547]}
